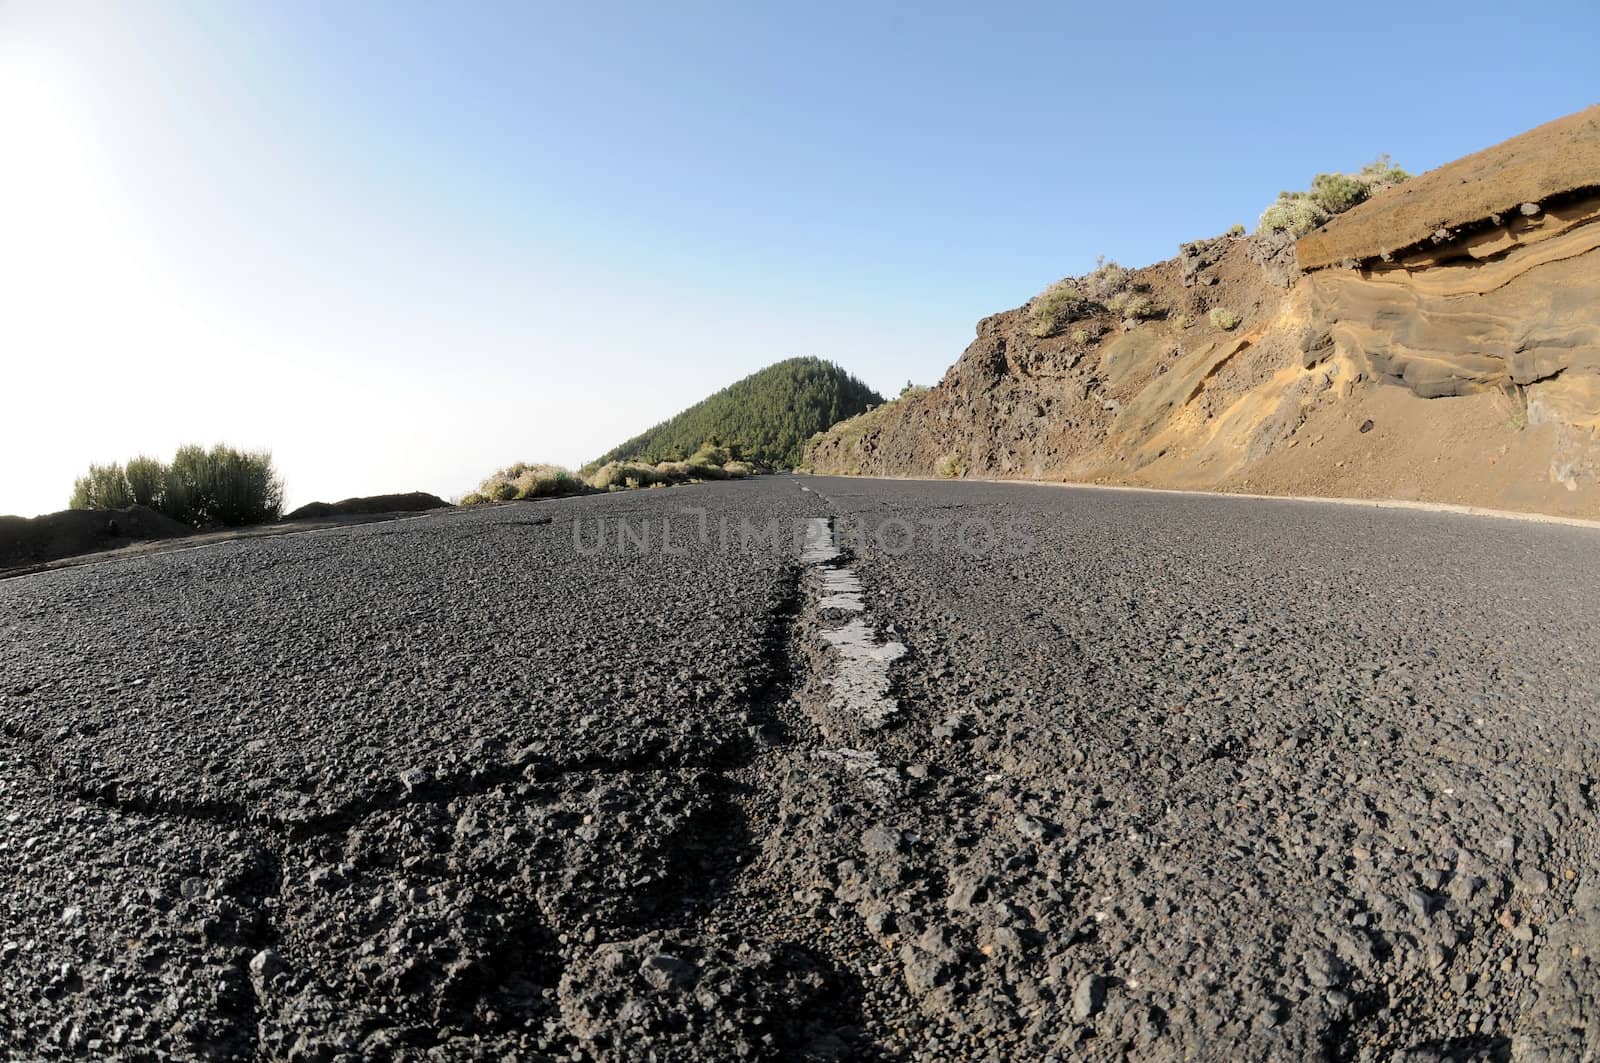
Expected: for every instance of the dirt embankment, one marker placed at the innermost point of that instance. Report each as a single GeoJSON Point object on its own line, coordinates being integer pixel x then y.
{"type": "Point", "coordinates": [80, 536]}
{"type": "Point", "coordinates": [1440, 342]}
{"type": "Point", "coordinates": [410, 502]}
{"type": "Point", "coordinates": [35, 540]}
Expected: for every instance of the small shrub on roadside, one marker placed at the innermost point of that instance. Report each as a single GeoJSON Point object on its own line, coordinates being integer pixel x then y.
{"type": "Point", "coordinates": [546, 481]}
{"type": "Point", "coordinates": [1081, 337]}
{"type": "Point", "coordinates": [950, 466]}
{"type": "Point", "coordinates": [615, 475]}
{"type": "Point", "coordinates": [711, 461]}
{"type": "Point", "coordinates": [1223, 318]}
{"type": "Point", "coordinates": [712, 453]}
{"type": "Point", "coordinates": [526, 480]}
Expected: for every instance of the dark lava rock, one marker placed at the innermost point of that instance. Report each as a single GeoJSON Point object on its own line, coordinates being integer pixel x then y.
{"type": "Point", "coordinates": [665, 997]}
{"type": "Point", "coordinates": [1089, 997]}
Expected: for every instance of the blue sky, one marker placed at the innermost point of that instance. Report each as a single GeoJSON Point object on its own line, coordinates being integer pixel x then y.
{"type": "Point", "coordinates": [402, 245]}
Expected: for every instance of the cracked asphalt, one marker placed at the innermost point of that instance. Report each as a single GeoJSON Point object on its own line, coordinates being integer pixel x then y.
{"type": "Point", "coordinates": [1162, 777]}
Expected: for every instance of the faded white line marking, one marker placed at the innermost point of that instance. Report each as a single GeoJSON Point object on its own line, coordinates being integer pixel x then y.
{"type": "Point", "coordinates": [860, 682]}
{"type": "Point", "coordinates": [820, 549]}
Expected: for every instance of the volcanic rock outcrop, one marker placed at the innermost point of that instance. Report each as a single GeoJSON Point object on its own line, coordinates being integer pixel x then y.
{"type": "Point", "coordinates": [1439, 342]}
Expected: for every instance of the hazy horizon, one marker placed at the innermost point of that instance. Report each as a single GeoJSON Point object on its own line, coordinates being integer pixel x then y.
{"type": "Point", "coordinates": [402, 247]}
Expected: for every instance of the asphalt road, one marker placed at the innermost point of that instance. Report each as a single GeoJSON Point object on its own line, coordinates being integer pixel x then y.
{"type": "Point", "coordinates": [811, 768]}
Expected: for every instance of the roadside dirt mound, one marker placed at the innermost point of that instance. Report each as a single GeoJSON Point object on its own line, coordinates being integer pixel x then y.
{"type": "Point", "coordinates": [1463, 371]}
{"type": "Point", "coordinates": [413, 502]}
{"type": "Point", "coordinates": [33, 540]}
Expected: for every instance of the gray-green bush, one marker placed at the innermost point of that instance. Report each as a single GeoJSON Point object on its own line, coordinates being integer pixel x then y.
{"type": "Point", "coordinates": [1337, 192]}
{"type": "Point", "coordinates": [1297, 213]}
{"type": "Point", "coordinates": [1071, 299]}
{"type": "Point", "coordinates": [1108, 280]}
{"type": "Point", "coordinates": [1131, 305]}
{"type": "Point", "coordinates": [1054, 307]}
{"type": "Point", "coordinates": [1223, 318]}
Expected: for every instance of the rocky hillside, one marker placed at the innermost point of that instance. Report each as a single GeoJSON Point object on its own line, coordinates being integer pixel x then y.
{"type": "Point", "coordinates": [1438, 342]}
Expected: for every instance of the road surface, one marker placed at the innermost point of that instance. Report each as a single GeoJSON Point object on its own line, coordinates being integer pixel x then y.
{"type": "Point", "coordinates": [811, 768]}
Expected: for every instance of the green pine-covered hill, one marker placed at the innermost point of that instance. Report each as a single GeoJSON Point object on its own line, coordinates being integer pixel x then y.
{"type": "Point", "coordinates": [766, 417]}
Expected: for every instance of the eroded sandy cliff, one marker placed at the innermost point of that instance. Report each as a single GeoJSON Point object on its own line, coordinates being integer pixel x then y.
{"type": "Point", "coordinates": [1440, 342]}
